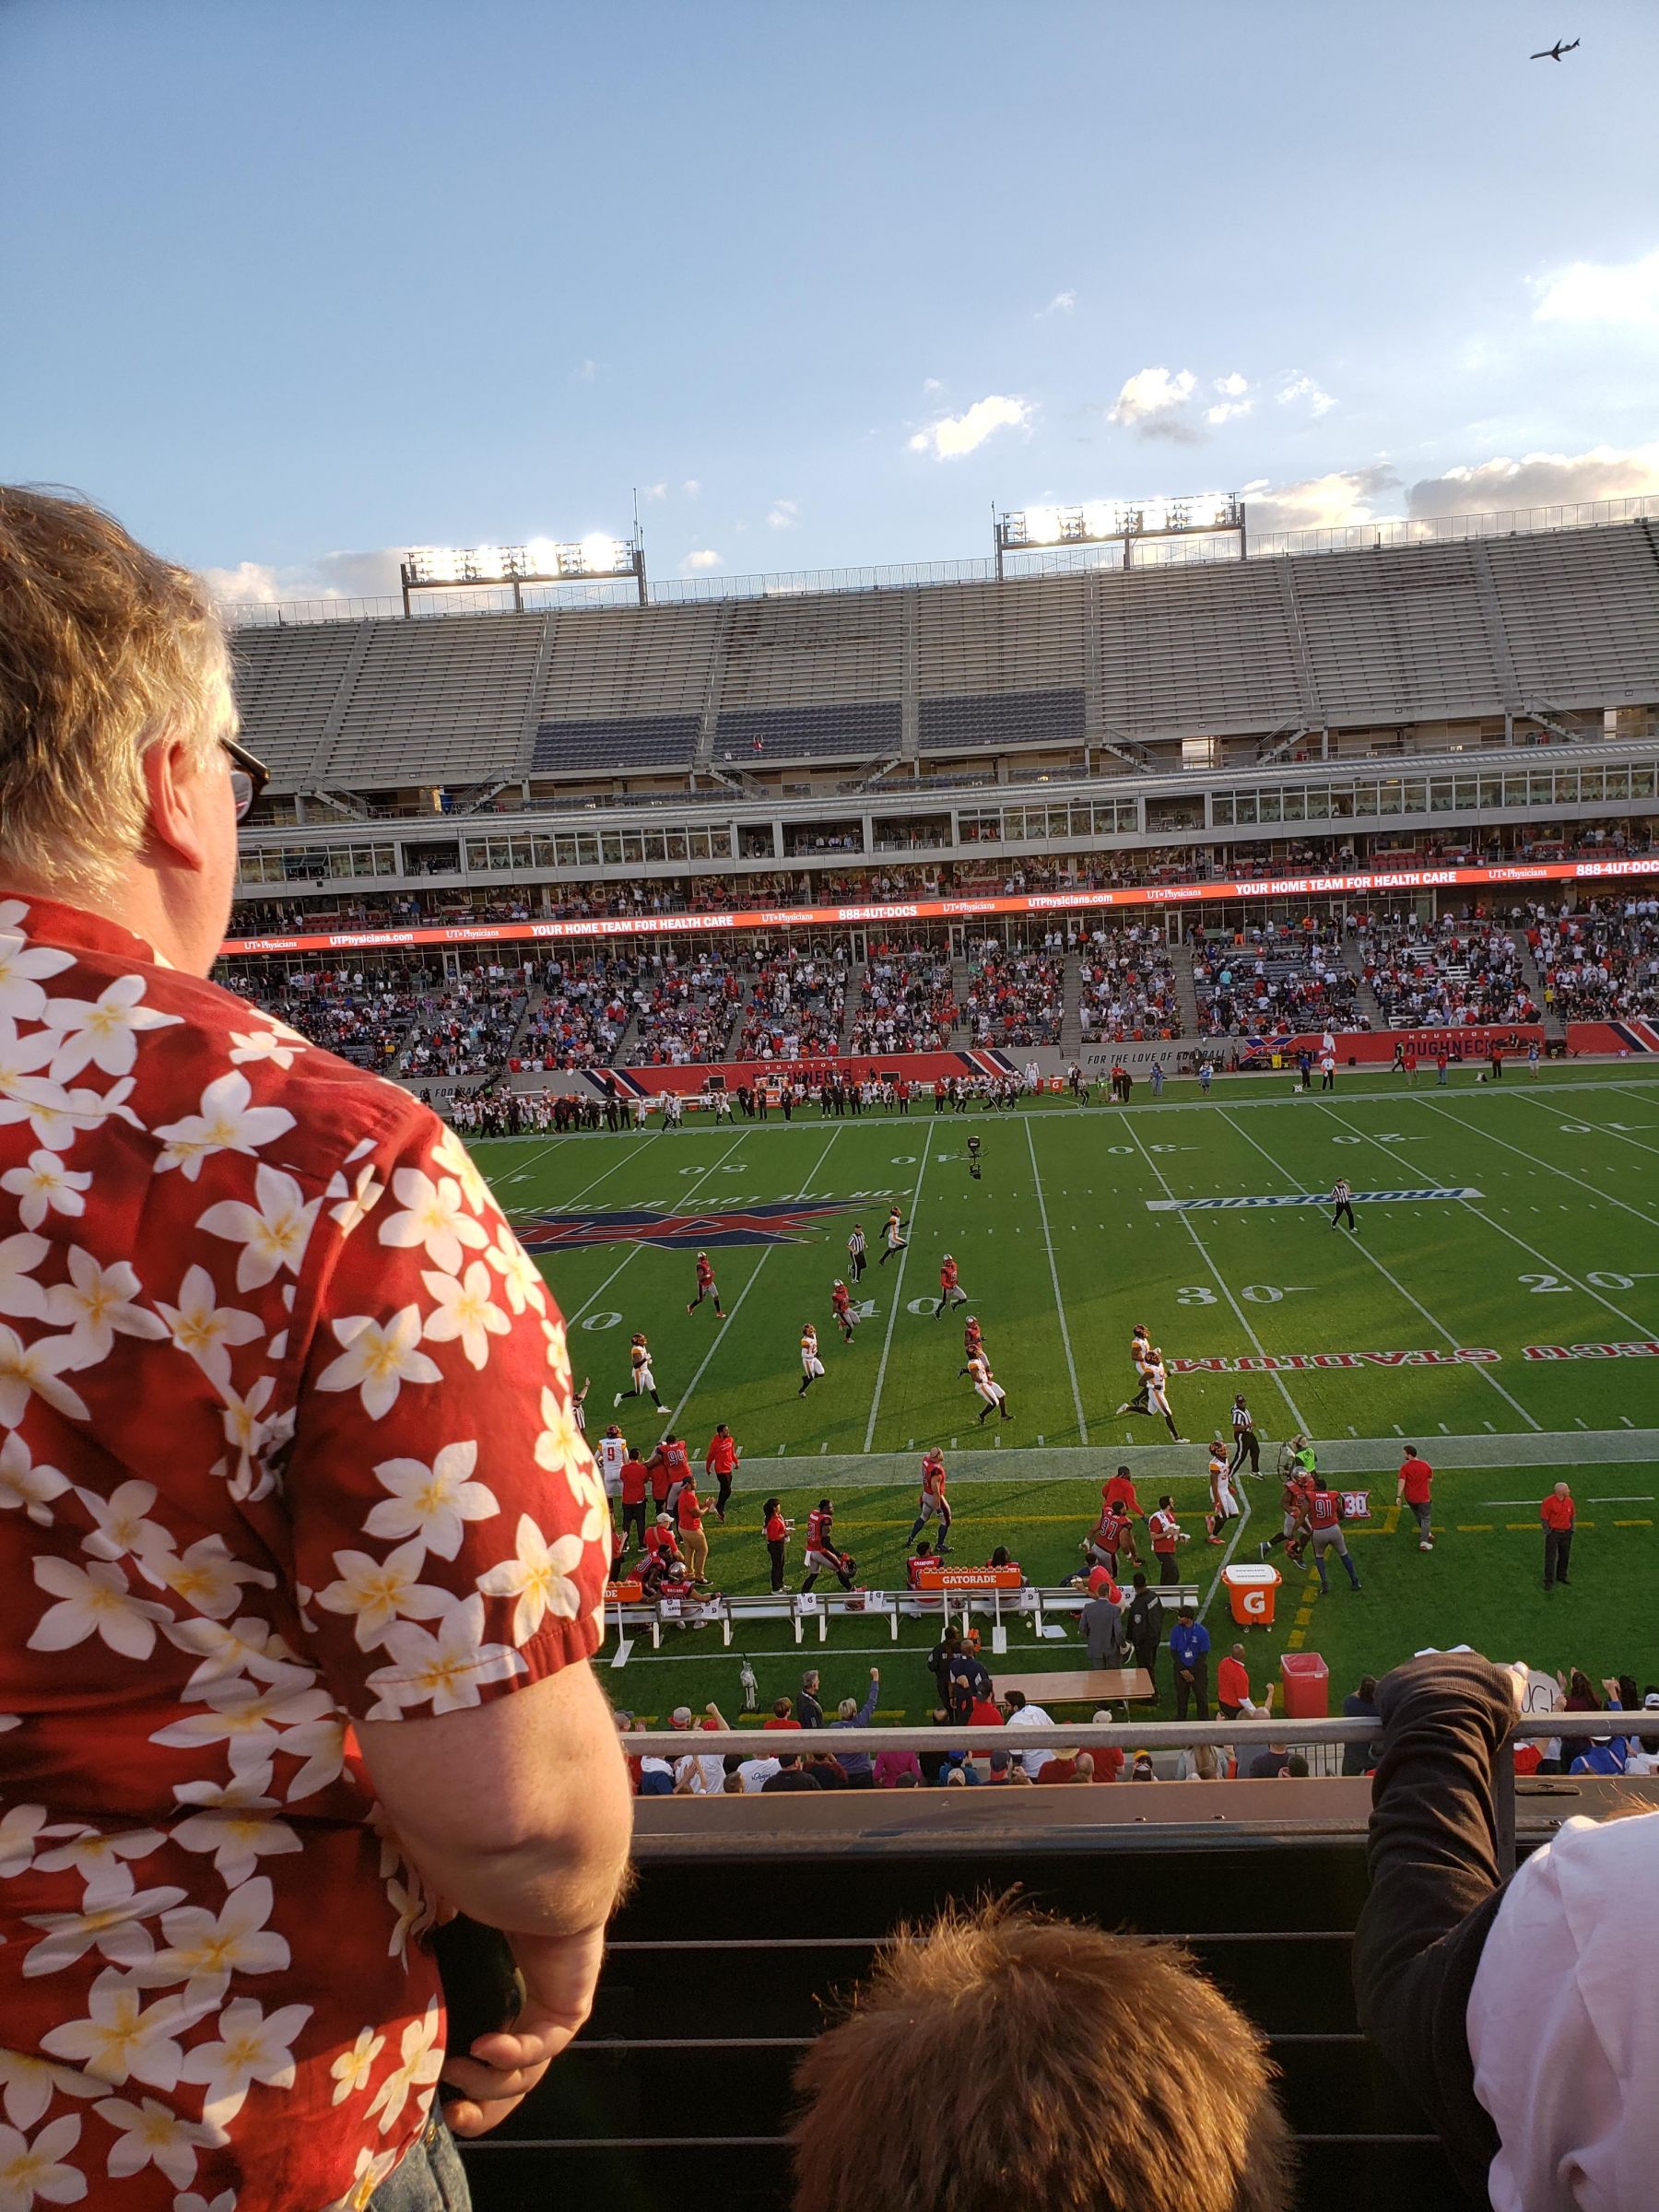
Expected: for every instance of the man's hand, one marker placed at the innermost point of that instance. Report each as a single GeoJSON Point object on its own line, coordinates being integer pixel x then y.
{"type": "Point", "coordinates": [874, 1674]}
{"type": "Point", "coordinates": [560, 1974]}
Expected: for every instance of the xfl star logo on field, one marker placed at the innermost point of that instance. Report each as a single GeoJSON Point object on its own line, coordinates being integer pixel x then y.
{"type": "Point", "coordinates": [780, 1222]}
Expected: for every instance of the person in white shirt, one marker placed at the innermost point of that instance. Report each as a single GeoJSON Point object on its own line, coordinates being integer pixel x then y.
{"type": "Point", "coordinates": [1023, 1714]}
{"type": "Point", "coordinates": [1522, 2012]}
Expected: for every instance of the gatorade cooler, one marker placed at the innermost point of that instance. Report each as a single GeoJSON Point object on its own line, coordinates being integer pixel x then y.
{"type": "Point", "coordinates": [1253, 1591]}
{"type": "Point", "coordinates": [1307, 1685]}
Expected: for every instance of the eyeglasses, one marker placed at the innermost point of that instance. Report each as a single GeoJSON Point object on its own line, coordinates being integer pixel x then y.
{"type": "Point", "coordinates": [248, 776]}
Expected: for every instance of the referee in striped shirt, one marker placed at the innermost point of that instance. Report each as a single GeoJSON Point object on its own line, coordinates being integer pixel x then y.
{"type": "Point", "coordinates": [1342, 1198]}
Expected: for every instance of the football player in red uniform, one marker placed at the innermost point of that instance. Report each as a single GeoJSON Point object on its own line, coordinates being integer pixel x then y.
{"type": "Point", "coordinates": [706, 1288]}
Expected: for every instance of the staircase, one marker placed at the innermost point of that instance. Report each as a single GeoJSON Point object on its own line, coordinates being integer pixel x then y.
{"type": "Point", "coordinates": [1366, 1001]}
{"type": "Point", "coordinates": [1191, 1023]}
{"type": "Point", "coordinates": [1071, 1026]}
{"type": "Point", "coordinates": [850, 1012]}
{"type": "Point", "coordinates": [1533, 978]}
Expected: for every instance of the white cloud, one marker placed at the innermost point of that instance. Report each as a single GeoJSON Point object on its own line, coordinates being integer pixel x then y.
{"type": "Point", "coordinates": [372, 575]}
{"type": "Point", "coordinates": [1233, 386]}
{"type": "Point", "coordinates": [1615, 292]}
{"type": "Point", "coordinates": [655, 491]}
{"type": "Point", "coordinates": [1061, 304]}
{"type": "Point", "coordinates": [1297, 388]}
{"type": "Point", "coordinates": [954, 435]}
{"type": "Point", "coordinates": [690, 488]}
{"type": "Point", "coordinates": [1227, 411]}
{"type": "Point", "coordinates": [1152, 403]}
{"type": "Point", "coordinates": [782, 514]}
{"type": "Point", "coordinates": [704, 557]}
{"type": "Point", "coordinates": [1538, 480]}
{"type": "Point", "coordinates": [583, 372]}
{"type": "Point", "coordinates": [1326, 502]}
{"type": "Point", "coordinates": [932, 383]}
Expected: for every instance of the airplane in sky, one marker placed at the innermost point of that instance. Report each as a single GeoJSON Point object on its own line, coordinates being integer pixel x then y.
{"type": "Point", "coordinates": [1553, 53]}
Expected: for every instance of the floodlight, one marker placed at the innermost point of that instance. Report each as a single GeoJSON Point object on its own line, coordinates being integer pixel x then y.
{"type": "Point", "coordinates": [596, 558]}
{"type": "Point", "coordinates": [1105, 522]}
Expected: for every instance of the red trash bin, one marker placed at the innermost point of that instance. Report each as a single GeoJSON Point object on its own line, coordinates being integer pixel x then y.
{"type": "Point", "coordinates": [1307, 1682]}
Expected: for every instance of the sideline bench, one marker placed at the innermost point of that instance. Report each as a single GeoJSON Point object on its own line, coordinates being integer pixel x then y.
{"type": "Point", "coordinates": [962, 1591]}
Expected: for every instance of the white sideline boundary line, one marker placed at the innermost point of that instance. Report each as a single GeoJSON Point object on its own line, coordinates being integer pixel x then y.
{"type": "Point", "coordinates": [1071, 1365]}
{"type": "Point", "coordinates": [886, 1342]}
{"type": "Point", "coordinates": [1532, 1251]}
{"type": "Point", "coordinates": [1388, 1275]}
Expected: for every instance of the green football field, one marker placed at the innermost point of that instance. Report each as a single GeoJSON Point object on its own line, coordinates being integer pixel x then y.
{"type": "Point", "coordinates": [1507, 1218]}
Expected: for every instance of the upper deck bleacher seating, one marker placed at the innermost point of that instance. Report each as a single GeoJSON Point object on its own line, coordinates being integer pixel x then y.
{"type": "Point", "coordinates": [1397, 636]}
{"type": "Point", "coordinates": [967, 722]}
{"type": "Point", "coordinates": [861, 730]}
{"type": "Point", "coordinates": [439, 702]}
{"type": "Point", "coordinates": [1580, 610]}
{"type": "Point", "coordinates": [287, 682]}
{"type": "Point", "coordinates": [615, 741]}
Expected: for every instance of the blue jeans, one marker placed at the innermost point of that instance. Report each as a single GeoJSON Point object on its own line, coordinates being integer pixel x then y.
{"type": "Point", "coordinates": [429, 2179]}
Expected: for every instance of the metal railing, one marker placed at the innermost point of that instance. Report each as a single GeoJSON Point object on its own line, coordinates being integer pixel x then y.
{"type": "Point", "coordinates": [1282, 1730]}
{"type": "Point", "coordinates": [689, 591]}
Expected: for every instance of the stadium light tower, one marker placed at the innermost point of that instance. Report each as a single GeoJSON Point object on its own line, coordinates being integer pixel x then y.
{"type": "Point", "coordinates": [595, 558]}
{"type": "Point", "coordinates": [1117, 521]}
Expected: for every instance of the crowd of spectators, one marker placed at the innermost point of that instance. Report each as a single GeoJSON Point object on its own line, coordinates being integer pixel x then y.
{"type": "Point", "coordinates": [580, 1017]}
{"type": "Point", "coordinates": [796, 1010]}
{"type": "Point", "coordinates": [684, 1010]}
{"type": "Point", "coordinates": [1601, 963]}
{"type": "Point", "coordinates": [1445, 974]}
{"type": "Point", "coordinates": [362, 1014]}
{"type": "Point", "coordinates": [1017, 994]}
{"type": "Point", "coordinates": [1126, 985]}
{"type": "Point", "coordinates": [905, 1001]}
{"type": "Point", "coordinates": [1273, 979]}
{"type": "Point", "coordinates": [466, 1027]}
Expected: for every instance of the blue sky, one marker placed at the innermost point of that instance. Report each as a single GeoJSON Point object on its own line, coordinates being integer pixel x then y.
{"type": "Point", "coordinates": [290, 285]}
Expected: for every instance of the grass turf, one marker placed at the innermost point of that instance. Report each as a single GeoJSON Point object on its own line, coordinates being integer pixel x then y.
{"type": "Point", "coordinates": [1061, 1252]}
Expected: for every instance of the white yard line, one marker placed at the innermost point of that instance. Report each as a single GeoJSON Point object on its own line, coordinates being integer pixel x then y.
{"type": "Point", "coordinates": [1222, 1283]}
{"type": "Point", "coordinates": [615, 1169]}
{"type": "Point", "coordinates": [1491, 1222]}
{"type": "Point", "coordinates": [1388, 1275]}
{"type": "Point", "coordinates": [721, 1331]}
{"type": "Point", "coordinates": [572, 1319]}
{"type": "Point", "coordinates": [1595, 1128]}
{"type": "Point", "coordinates": [1520, 1151]}
{"type": "Point", "coordinates": [1071, 1365]}
{"type": "Point", "coordinates": [886, 1342]}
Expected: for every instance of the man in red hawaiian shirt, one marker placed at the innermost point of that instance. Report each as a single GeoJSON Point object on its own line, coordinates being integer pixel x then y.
{"type": "Point", "coordinates": [301, 1547]}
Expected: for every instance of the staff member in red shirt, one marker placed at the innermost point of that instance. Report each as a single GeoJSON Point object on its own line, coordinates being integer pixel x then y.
{"type": "Point", "coordinates": [777, 1539]}
{"type": "Point", "coordinates": [1557, 1513]}
{"type": "Point", "coordinates": [1118, 1494]}
{"type": "Point", "coordinates": [1233, 1699]}
{"type": "Point", "coordinates": [721, 1461]}
{"type": "Point", "coordinates": [1166, 1533]}
{"type": "Point", "coordinates": [633, 1498]}
{"type": "Point", "coordinates": [1417, 1479]}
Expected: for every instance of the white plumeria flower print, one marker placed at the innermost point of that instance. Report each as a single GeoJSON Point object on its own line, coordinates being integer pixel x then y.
{"type": "Point", "coordinates": [521, 1279]}
{"type": "Point", "coordinates": [190, 2202]}
{"type": "Point", "coordinates": [256, 1048]}
{"type": "Point", "coordinates": [253, 1723]}
{"type": "Point", "coordinates": [58, 1116]}
{"type": "Point", "coordinates": [23, 969]}
{"type": "Point", "coordinates": [435, 1218]}
{"type": "Point", "coordinates": [28, 2083]}
{"type": "Point", "coordinates": [19, 1826]}
{"type": "Point", "coordinates": [422, 2062]}
{"type": "Point", "coordinates": [431, 1503]}
{"type": "Point", "coordinates": [93, 1601]}
{"type": "Point", "coordinates": [379, 1358]}
{"type": "Point", "coordinates": [148, 2133]}
{"type": "Point", "coordinates": [206, 1949]}
{"type": "Point", "coordinates": [559, 1356]}
{"type": "Point", "coordinates": [356, 1200]}
{"type": "Point", "coordinates": [463, 1314]}
{"type": "Point", "coordinates": [377, 1591]}
{"type": "Point", "coordinates": [253, 2046]}
{"type": "Point", "coordinates": [25, 1483]}
{"type": "Point", "coordinates": [446, 1669]}
{"type": "Point", "coordinates": [227, 1121]}
{"type": "Point", "coordinates": [124, 2039]}
{"type": "Point", "coordinates": [46, 1186]}
{"type": "Point", "coordinates": [273, 1233]}
{"type": "Point", "coordinates": [20, 1295]}
{"type": "Point", "coordinates": [249, 1433]}
{"type": "Point", "coordinates": [238, 1842]}
{"type": "Point", "coordinates": [206, 1577]}
{"type": "Point", "coordinates": [202, 1327]}
{"type": "Point", "coordinates": [113, 1929]}
{"type": "Point", "coordinates": [249, 1647]}
{"type": "Point", "coordinates": [98, 1303]}
{"type": "Point", "coordinates": [34, 2172]}
{"type": "Point", "coordinates": [372, 2167]}
{"type": "Point", "coordinates": [560, 1440]}
{"type": "Point", "coordinates": [120, 1526]}
{"type": "Point", "coordinates": [102, 1032]}
{"type": "Point", "coordinates": [27, 1369]}
{"type": "Point", "coordinates": [352, 2069]}
{"type": "Point", "coordinates": [21, 1056]}
{"type": "Point", "coordinates": [539, 1577]}
{"type": "Point", "coordinates": [99, 1860]}
{"type": "Point", "coordinates": [450, 1154]}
